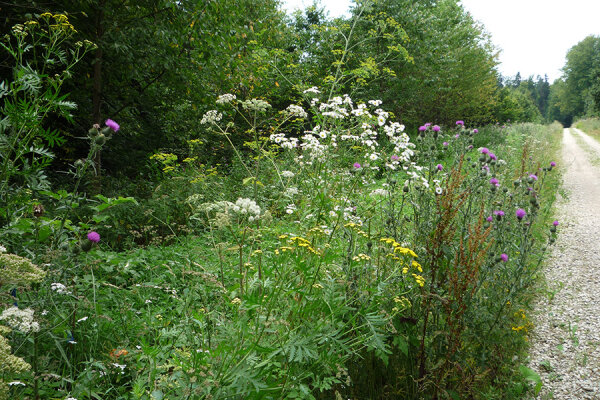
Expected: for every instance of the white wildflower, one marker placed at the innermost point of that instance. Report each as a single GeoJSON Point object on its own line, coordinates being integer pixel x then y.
{"type": "Point", "coordinates": [291, 192]}
{"type": "Point", "coordinates": [287, 174]}
{"type": "Point", "coordinates": [211, 117]}
{"type": "Point", "coordinates": [290, 208]}
{"type": "Point", "coordinates": [59, 288]}
{"type": "Point", "coordinates": [16, 383]}
{"type": "Point", "coordinates": [82, 319]}
{"type": "Point", "coordinates": [256, 105]}
{"type": "Point", "coordinates": [225, 98]}
{"type": "Point", "coordinates": [21, 320]}
{"type": "Point", "coordinates": [2, 249]}
{"type": "Point", "coordinates": [313, 89]}
{"type": "Point", "coordinates": [296, 111]}
{"type": "Point", "coordinates": [375, 103]}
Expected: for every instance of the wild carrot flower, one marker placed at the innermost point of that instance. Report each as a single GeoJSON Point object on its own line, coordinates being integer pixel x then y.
{"type": "Point", "coordinates": [112, 125]}
{"type": "Point", "coordinates": [504, 257]}
{"type": "Point", "coordinates": [520, 213]}
{"type": "Point", "coordinates": [93, 237]}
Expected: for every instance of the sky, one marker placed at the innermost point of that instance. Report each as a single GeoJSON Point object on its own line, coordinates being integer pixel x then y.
{"type": "Point", "coordinates": [533, 36]}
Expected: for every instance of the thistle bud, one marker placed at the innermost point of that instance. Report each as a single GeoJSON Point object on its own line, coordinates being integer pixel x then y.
{"type": "Point", "coordinates": [86, 245]}
{"type": "Point", "coordinates": [93, 132]}
{"type": "Point", "coordinates": [101, 139]}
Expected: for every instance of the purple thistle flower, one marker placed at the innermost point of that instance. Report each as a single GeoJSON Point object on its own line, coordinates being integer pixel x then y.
{"type": "Point", "coordinates": [499, 213]}
{"type": "Point", "coordinates": [422, 128]}
{"type": "Point", "coordinates": [553, 164]}
{"type": "Point", "coordinates": [555, 223]}
{"type": "Point", "coordinates": [456, 136]}
{"type": "Point", "coordinates": [489, 219]}
{"type": "Point", "coordinates": [460, 123]}
{"type": "Point", "coordinates": [395, 158]}
{"type": "Point", "coordinates": [445, 144]}
{"type": "Point", "coordinates": [470, 147]}
{"type": "Point", "coordinates": [504, 257]}
{"type": "Point", "coordinates": [93, 237]}
{"type": "Point", "coordinates": [495, 182]}
{"type": "Point", "coordinates": [475, 130]}
{"type": "Point", "coordinates": [485, 150]}
{"type": "Point", "coordinates": [436, 128]}
{"type": "Point", "coordinates": [492, 156]}
{"type": "Point", "coordinates": [533, 176]}
{"type": "Point", "coordinates": [520, 213]}
{"type": "Point", "coordinates": [440, 167]}
{"type": "Point", "coordinates": [427, 125]}
{"type": "Point", "coordinates": [112, 125]}
{"type": "Point", "coordinates": [356, 165]}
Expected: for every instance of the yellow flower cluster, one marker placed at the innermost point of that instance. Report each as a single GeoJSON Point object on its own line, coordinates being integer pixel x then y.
{"type": "Point", "coordinates": [361, 257]}
{"type": "Point", "coordinates": [61, 22]}
{"type": "Point", "coordinates": [301, 242]}
{"type": "Point", "coordinates": [526, 324]}
{"type": "Point", "coordinates": [356, 227]}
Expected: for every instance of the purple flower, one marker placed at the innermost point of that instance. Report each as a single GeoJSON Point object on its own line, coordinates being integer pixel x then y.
{"type": "Point", "coordinates": [112, 125]}
{"type": "Point", "coordinates": [553, 164]}
{"type": "Point", "coordinates": [395, 158]}
{"type": "Point", "coordinates": [475, 130]}
{"type": "Point", "coordinates": [427, 125]}
{"type": "Point", "coordinates": [456, 136]}
{"type": "Point", "coordinates": [499, 213]}
{"type": "Point", "coordinates": [489, 219]}
{"type": "Point", "coordinates": [555, 223]}
{"type": "Point", "coordinates": [461, 123]}
{"type": "Point", "coordinates": [470, 147]}
{"type": "Point", "coordinates": [445, 144]}
{"type": "Point", "coordinates": [495, 182]}
{"type": "Point", "coordinates": [93, 237]}
{"type": "Point", "coordinates": [422, 128]}
{"type": "Point", "coordinates": [493, 156]}
{"type": "Point", "coordinates": [534, 177]}
{"type": "Point", "coordinates": [485, 150]}
{"type": "Point", "coordinates": [356, 165]}
{"type": "Point", "coordinates": [504, 257]}
{"type": "Point", "coordinates": [440, 167]}
{"type": "Point", "coordinates": [520, 213]}
{"type": "Point", "coordinates": [436, 128]}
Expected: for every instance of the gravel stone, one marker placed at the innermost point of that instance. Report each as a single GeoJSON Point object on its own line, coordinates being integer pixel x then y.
{"type": "Point", "coordinates": [565, 341]}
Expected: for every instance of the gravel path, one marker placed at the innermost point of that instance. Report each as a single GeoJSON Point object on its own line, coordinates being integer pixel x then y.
{"type": "Point", "coordinates": [565, 343]}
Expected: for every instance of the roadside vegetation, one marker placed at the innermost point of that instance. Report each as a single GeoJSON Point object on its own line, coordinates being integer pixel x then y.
{"type": "Point", "coordinates": [302, 209]}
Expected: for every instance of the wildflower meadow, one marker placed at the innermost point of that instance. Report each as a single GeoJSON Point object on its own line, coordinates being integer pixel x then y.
{"type": "Point", "coordinates": [321, 242]}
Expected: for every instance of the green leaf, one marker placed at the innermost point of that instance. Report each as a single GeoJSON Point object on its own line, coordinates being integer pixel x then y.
{"type": "Point", "coordinates": [532, 376]}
